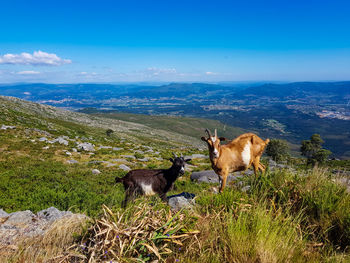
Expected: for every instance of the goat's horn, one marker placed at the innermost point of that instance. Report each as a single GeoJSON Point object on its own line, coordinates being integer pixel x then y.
{"type": "Point", "coordinates": [216, 134]}
{"type": "Point", "coordinates": [181, 155]}
{"type": "Point", "coordinates": [208, 132]}
{"type": "Point", "coordinates": [175, 155]}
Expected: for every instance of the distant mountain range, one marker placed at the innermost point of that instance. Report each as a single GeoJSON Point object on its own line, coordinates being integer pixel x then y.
{"type": "Point", "coordinates": [291, 111]}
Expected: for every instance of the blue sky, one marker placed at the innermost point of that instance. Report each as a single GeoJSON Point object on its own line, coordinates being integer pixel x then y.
{"type": "Point", "coordinates": [208, 41]}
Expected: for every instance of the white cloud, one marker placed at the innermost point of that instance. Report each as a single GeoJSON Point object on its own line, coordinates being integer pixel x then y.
{"type": "Point", "coordinates": [158, 71]}
{"type": "Point", "coordinates": [38, 58]}
{"type": "Point", "coordinates": [210, 73]}
{"type": "Point", "coordinates": [28, 72]}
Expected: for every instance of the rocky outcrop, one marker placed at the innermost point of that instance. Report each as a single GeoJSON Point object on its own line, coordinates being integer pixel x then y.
{"type": "Point", "coordinates": [16, 226]}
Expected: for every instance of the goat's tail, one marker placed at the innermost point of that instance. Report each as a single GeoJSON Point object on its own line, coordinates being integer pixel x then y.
{"type": "Point", "coordinates": [267, 141]}
{"type": "Point", "coordinates": [119, 180]}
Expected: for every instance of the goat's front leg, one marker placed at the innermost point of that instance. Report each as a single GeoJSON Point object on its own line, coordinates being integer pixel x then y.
{"type": "Point", "coordinates": [130, 194]}
{"type": "Point", "coordinates": [223, 175]}
{"type": "Point", "coordinates": [163, 197]}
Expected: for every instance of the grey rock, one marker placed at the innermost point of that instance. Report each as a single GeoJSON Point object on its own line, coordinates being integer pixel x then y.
{"type": "Point", "coordinates": [110, 164]}
{"type": "Point", "coordinates": [86, 146]}
{"type": "Point", "coordinates": [46, 147]}
{"type": "Point", "coordinates": [3, 213]}
{"type": "Point", "coordinates": [245, 188]}
{"type": "Point", "coordinates": [21, 217]}
{"type": "Point", "coordinates": [52, 213]}
{"type": "Point", "coordinates": [43, 139]}
{"type": "Point", "coordinates": [180, 201]}
{"type": "Point", "coordinates": [74, 150]}
{"type": "Point", "coordinates": [72, 161]}
{"type": "Point", "coordinates": [124, 167]}
{"type": "Point", "coordinates": [96, 162]}
{"type": "Point", "coordinates": [143, 159]}
{"type": "Point", "coordinates": [5, 127]}
{"type": "Point", "coordinates": [104, 147]}
{"type": "Point", "coordinates": [95, 171]}
{"type": "Point", "coordinates": [68, 153]}
{"type": "Point", "coordinates": [117, 149]}
{"type": "Point", "coordinates": [210, 176]}
{"type": "Point", "coordinates": [61, 140]}
{"type": "Point", "coordinates": [272, 163]}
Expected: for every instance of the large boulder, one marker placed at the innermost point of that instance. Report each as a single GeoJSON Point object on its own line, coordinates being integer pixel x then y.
{"type": "Point", "coordinates": [86, 146]}
{"type": "Point", "coordinates": [17, 226]}
{"type": "Point", "coordinates": [210, 176]}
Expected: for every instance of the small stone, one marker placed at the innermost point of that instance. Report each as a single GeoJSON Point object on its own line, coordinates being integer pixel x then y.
{"type": "Point", "coordinates": [43, 139]}
{"type": "Point", "coordinates": [46, 147]}
{"type": "Point", "coordinates": [5, 127]}
{"type": "Point", "coordinates": [68, 153]}
{"type": "Point", "coordinates": [95, 171]}
{"type": "Point", "coordinates": [183, 200]}
{"type": "Point", "coordinates": [143, 159]}
{"type": "Point", "coordinates": [117, 149]}
{"type": "Point", "coordinates": [105, 147]}
{"type": "Point", "coordinates": [72, 161]}
{"type": "Point", "coordinates": [124, 167]}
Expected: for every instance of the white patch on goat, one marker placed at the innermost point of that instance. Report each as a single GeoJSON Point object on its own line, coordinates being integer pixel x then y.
{"type": "Point", "coordinates": [147, 189]}
{"type": "Point", "coordinates": [246, 154]}
{"type": "Point", "coordinates": [213, 139]}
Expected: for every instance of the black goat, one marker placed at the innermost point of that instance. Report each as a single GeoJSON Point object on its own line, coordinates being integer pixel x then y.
{"type": "Point", "coordinates": [150, 182]}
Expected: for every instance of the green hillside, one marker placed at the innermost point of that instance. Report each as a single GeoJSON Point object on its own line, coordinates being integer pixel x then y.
{"type": "Point", "coordinates": [290, 214]}
{"type": "Point", "coordinates": [193, 127]}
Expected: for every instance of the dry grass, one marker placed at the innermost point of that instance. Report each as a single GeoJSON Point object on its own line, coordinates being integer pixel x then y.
{"type": "Point", "coordinates": [54, 246]}
{"type": "Point", "coordinates": [141, 233]}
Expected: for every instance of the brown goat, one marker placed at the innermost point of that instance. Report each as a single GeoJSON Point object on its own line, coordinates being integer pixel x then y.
{"type": "Point", "coordinates": [237, 155]}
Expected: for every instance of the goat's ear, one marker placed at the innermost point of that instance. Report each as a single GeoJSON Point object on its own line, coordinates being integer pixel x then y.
{"type": "Point", "coordinates": [171, 160]}
{"type": "Point", "coordinates": [187, 160]}
{"type": "Point", "coordinates": [203, 139]}
{"type": "Point", "coordinates": [222, 139]}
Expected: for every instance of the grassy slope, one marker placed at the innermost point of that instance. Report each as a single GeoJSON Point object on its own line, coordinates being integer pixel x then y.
{"type": "Point", "coordinates": [193, 127]}
{"type": "Point", "coordinates": [285, 216]}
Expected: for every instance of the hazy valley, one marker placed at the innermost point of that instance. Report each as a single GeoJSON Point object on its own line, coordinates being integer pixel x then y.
{"type": "Point", "coordinates": [291, 111]}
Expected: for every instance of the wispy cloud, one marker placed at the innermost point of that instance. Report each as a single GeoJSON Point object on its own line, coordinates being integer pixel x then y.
{"type": "Point", "coordinates": [28, 72]}
{"type": "Point", "coordinates": [158, 71]}
{"type": "Point", "coordinates": [38, 58]}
